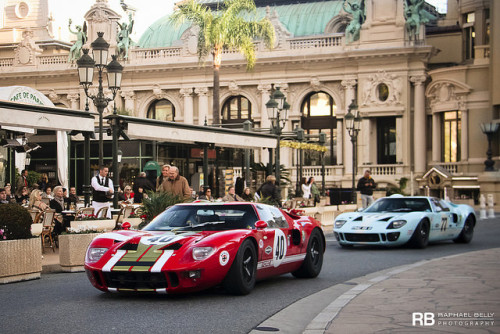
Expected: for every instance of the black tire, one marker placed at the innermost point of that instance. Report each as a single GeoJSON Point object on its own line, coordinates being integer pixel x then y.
{"type": "Point", "coordinates": [420, 237]}
{"type": "Point", "coordinates": [311, 267]}
{"type": "Point", "coordinates": [240, 279]}
{"type": "Point", "coordinates": [467, 232]}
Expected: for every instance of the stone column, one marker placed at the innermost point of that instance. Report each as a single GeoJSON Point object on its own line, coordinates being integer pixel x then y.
{"type": "Point", "coordinates": [203, 106]}
{"type": "Point", "coordinates": [436, 137]}
{"type": "Point", "coordinates": [464, 138]}
{"type": "Point", "coordinates": [349, 96]}
{"type": "Point", "coordinates": [399, 139]}
{"type": "Point", "coordinates": [74, 99]}
{"type": "Point", "coordinates": [419, 135]}
{"type": "Point", "coordinates": [265, 90]}
{"type": "Point", "coordinates": [129, 97]}
{"type": "Point", "coordinates": [340, 141]}
{"type": "Point", "coordinates": [188, 105]}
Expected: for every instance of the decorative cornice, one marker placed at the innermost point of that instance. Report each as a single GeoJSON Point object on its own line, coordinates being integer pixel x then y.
{"type": "Point", "coordinates": [201, 91]}
{"type": "Point", "coordinates": [186, 92]}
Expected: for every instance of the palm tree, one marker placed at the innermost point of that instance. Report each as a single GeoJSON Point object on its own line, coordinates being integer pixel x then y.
{"type": "Point", "coordinates": [225, 28]}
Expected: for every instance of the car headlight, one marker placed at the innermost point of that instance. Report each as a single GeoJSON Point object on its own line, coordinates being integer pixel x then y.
{"type": "Point", "coordinates": [397, 224]}
{"type": "Point", "coordinates": [201, 253]}
{"type": "Point", "coordinates": [340, 223]}
{"type": "Point", "coordinates": [95, 254]}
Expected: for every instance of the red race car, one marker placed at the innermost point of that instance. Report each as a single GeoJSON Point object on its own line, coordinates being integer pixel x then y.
{"type": "Point", "coordinates": [190, 247]}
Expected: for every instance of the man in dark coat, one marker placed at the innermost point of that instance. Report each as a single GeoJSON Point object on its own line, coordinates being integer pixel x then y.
{"type": "Point", "coordinates": [366, 184]}
{"type": "Point", "coordinates": [270, 190]}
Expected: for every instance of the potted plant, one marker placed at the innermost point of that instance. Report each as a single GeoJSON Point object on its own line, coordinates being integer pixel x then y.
{"type": "Point", "coordinates": [154, 204]}
{"type": "Point", "coordinates": [20, 252]}
{"type": "Point", "coordinates": [73, 245]}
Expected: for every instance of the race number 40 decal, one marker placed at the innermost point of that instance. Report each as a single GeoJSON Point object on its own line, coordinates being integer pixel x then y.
{"type": "Point", "coordinates": [279, 247]}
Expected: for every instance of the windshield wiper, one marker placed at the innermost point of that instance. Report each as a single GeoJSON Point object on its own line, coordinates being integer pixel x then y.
{"type": "Point", "coordinates": [402, 210]}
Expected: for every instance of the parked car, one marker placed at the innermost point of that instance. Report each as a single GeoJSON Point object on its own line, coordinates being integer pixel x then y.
{"type": "Point", "coordinates": [195, 246]}
{"type": "Point", "coordinates": [397, 220]}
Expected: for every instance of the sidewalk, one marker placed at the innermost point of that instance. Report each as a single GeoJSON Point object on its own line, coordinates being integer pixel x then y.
{"type": "Point", "coordinates": [50, 261]}
{"type": "Point", "coordinates": [455, 294]}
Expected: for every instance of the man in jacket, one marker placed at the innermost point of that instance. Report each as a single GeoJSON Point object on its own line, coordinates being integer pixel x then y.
{"type": "Point", "coordinates": [270, 190]}
{"type": "Point", "coordinates": [21, 182]}
{"type": "Point", "coordinates": [176, 184]}
{"type": "Point", "coordinates": [102, 190]}
{"type": "Point", "coordinates": [365, 186]}
{"type": "Point", "coordinates": [232, 196]}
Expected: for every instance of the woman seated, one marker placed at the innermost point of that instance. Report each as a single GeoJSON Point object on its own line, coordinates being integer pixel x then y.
{"type": "Point", "coordinates": [127, 195]}
{"type": "Point", "coordinates": [61, 223]}
{"type": "Point", "coordinates": [47, 193]}
{"type": "Point", "coordinates": [247, 195]}
{"type": "Point", "coordinates": [23, 197]}
{"type": "Point", "coordinates": [207, 195]}
{"type": "Point", "coordinates": [36, 201]}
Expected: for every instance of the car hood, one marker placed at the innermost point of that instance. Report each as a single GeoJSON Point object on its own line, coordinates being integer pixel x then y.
{"type": "Point", "coordinates": [366, 218]}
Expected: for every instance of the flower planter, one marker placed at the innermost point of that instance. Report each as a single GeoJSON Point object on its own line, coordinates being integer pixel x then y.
{"type": "Point", "coordinates": [21, 260]}
{"type": "Point", "coordinates": [101, 225]}
{"type": "Point", "coordinates": [72, 248]}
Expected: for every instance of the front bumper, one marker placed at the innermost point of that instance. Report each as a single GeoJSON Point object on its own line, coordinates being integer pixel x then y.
{"type": "Point", "coordinates": [387, 238]}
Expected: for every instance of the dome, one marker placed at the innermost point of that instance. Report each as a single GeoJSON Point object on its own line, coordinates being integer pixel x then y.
{"type": "Point", "coordinates": [300, 19]}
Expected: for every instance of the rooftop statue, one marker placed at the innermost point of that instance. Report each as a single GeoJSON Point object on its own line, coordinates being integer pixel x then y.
{"type": "Point", "coordinates": [414, 16]}
{"type": "Point", "coordinates": [358, 18]}
{"type": "Point", "coordinates": [81, 39]}
{"type": "Point", "coordinates": [123, 37]}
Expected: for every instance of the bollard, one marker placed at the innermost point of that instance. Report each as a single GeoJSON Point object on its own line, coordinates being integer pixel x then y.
{"type": "Point", "coordinates": [482, 203]}
{"type": "Point", "coordinates": [491, 206]}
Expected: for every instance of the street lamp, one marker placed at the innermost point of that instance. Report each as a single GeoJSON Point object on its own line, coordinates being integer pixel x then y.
{"type": "Point", "coordinates": [86, 65]}
{"type": "Point", "coordinates": [353, 125]}
{"type": "Point", "coordinates": [277, 109]}
{"type": "Point", "coordinates": [489, 129]}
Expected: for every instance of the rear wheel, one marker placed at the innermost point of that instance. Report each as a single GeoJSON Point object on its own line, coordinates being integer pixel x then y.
{"type": "Point", "coordinates": [241, 277]}
{"type": "Point", "coordinates": [467, 232]}
{"type": "Point", "coordinates": [420, 237]}
{"type": "Point", "coordinates": [311, 267]}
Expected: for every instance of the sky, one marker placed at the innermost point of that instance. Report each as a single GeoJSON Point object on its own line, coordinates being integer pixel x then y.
{"type": "Point", "coordinates": [147, 12]}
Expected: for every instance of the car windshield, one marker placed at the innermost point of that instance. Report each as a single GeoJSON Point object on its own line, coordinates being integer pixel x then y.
{"type": "Point", "coordinates": [399, 205]}
{"type": "Point", "coordinates": [204, 218]}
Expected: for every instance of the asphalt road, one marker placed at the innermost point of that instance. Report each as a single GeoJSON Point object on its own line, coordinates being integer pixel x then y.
{"type": "Point", "coordinates": [67, 303]}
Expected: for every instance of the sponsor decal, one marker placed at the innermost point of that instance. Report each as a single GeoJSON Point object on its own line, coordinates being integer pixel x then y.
{"type": "Point", "coordinates": [261, 243]}
{"type": "Point", "coordinates": [224, 258]}
{"type": "Point", "coordinates": [364, 228]}
{"type": "Point", "coordinates": [279, 247]}
{"type": "Point", "coordinates": [268, 250]}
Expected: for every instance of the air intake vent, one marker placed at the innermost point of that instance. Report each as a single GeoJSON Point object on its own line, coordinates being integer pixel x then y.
{"type": "Point", "coordinates": [175, 246]}
{"type": "Point", "coordinates": [359, 219]}
{"type": "Point", "coordinates": [129, 247]}
{"type": "Point", "coordinates": [385, 219]}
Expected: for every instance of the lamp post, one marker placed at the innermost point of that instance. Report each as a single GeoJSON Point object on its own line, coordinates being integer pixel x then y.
{"type": "Point", "coordinates": [277, 109]}
{"type": "Point", "coordinates": [489, 129]}
{"type": "Point", "coordinates": [86, 65]}
{"type": "Point", "coordinates": [353, 124]}
{"type": "Point", "coordinates": [300, 139]}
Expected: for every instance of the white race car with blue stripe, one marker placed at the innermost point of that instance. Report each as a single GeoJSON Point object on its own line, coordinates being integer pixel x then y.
{"type": "Point", "coordinates": [397, 220]}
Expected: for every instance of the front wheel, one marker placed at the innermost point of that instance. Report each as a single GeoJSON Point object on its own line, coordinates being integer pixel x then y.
{"type": "Point", "coordinates": [420, 237]}
{"type": "Point", "coordinates": [311, 267]}
{"type": "Point", "coordinates": [240, 279]}
{"type": "Point", "coordinates": [467, 232]}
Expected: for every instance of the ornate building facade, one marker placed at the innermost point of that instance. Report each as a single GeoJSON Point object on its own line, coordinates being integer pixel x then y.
{"type": "Point", "coordinates": [422, 99]}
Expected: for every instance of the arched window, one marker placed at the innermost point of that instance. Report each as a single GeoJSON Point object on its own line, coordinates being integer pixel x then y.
{"type": "Point", "coordinates": [236, 109]}
{"type": "Point", "coordinates": [318, 115]}
{"type": "Point", "coordinates": [162, 110]}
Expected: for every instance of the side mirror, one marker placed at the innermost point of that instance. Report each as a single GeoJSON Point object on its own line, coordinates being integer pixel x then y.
{"type": "Point", "coordinates": [126, 226]}
{"type": "Point", "coordinates": [260, 225]}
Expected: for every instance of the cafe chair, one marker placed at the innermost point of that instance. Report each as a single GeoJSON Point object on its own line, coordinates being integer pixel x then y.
{"type": "Point", "coordinates": [85, 211]}
{"type": "Point", "coordinates": [46, 200]}
{"type": "Point", "coordinates": [102, 212]}
{"type": "Point", "coordinates": [48, 228]}
{"type": "Point", "coordinates": [124, 213]}
{"type": "Point", "coordinates": [34, 213]}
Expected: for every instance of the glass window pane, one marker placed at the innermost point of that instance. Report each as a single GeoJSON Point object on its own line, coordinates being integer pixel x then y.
{"type": "Point", "coordinates": [320, 105]}
{"type": "Point", "coordinates": [244, 108]}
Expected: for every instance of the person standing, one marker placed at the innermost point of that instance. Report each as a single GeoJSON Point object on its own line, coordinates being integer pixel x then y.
{"type": "Point", "coordinates": [22, 181]}
{"type": "Point", "coordinates": [366, 184]}
{"type": "Point", "coordinates": [270, 190]}
{"type": "Point", "coordinates": [177, 185]}
{"type": "Point", "coordinates": [102, 190]}
{"type": "Point", "coordinates": [142, 182]}
{"type": "Point", "coordinates": [306, 188]}
{"type": "Point", "coordinates": [232, 196]}
{"type": "Point", "coordinates": [314, 191]}
{"type": "Point", "coordinates": [162, 178]}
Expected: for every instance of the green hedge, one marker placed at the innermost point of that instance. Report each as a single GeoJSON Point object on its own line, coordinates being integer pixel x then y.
{"type": "Point", "coordinates": [15, 221]}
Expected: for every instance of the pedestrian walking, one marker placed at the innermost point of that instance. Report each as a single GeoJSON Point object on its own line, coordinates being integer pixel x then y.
{"type": "Point", "coordinates": [162, 178]}
{"type": "Point", "coordinates": [177, 184]}
{"type": "Point", "coordinates": [366, 184]}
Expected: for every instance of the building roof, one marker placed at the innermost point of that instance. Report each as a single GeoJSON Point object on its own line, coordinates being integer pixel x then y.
{"type": "Point", "coordinates": [301, 19]}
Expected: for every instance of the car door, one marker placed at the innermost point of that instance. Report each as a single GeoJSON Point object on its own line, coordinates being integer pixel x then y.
{"type": "Point", "coordinates": [273, 247]}
{"type": "Point", "coordinates": [442, 220]}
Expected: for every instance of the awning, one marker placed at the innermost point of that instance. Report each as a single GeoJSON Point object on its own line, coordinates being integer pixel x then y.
{"type": "Point", "coordinates": [14, 114]}
{"type": "Point", "coordinates": [163, 131]}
